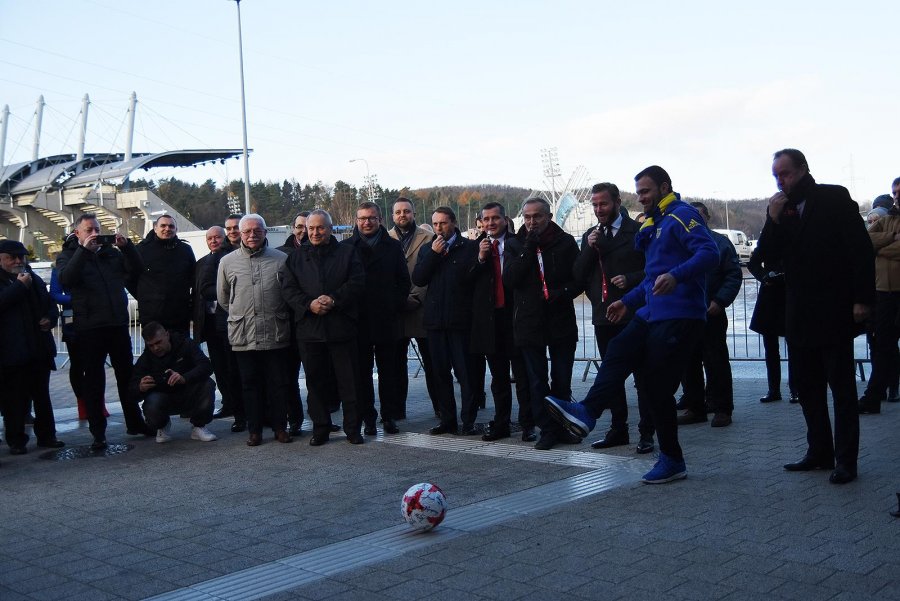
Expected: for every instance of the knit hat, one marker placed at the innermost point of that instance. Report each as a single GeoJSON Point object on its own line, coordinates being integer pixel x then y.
{"type": "Point", "coordinates": [880, 211]}
{"type": "Point", "coordinates": [885, 201]}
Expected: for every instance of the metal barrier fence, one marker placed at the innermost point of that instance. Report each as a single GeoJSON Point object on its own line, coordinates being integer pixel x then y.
{"type": "Point", "coordinates": [743, 343]}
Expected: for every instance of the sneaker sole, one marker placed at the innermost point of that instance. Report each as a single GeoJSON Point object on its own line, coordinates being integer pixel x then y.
{"type": "Point", "coordinates": [204, 439]}
{"type": "Point", "coordinates": [571, 423]}
{"type": "Point", "coordinates": [672, 478]}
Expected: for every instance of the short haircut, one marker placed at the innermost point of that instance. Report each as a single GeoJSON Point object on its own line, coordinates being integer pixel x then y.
{"type": "Point", "coordinates": [252, 217]}
{"type": "Point", "coordinates": [321, 213]}
{"type": "Point", "coordinates": [85, 217]}
{"type": "Point", "coordinates": [702, 208]}
{"type": "Point", "coordinates": [405, 199]}
{"type": "Point", "coordinates": [491, 206]}
{"type": "Point", "coordinates": [895, 182]}
{"type": "Point", "coordinates": [369, 205]}
{"type": "Point", "coordinates": [234, 216]}
{"type": "Point", "coordinates": [611, 189]}
{"type": "Point", "coordinates": [219, 230]}
{"type": "Point", "coordinates": [164, 216]}
{"type": "Point", "coordinates": [446, 211]}
{"type": "Point", "coordinates": [300, 214]}
{"type": "Point", "coordinates": [545, 206]}
{"type": "Point", "coordinates": [151, 330]}
{"type": "Point", "coordinates": [657, 174]}
{"type": "Point", "coordinates": [795, 155]}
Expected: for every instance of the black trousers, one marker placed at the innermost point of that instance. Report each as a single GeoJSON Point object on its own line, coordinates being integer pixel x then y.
{"type": "Point", "coordinates": [76, 364]}
{"type": "Point", "coordinates": [711, 356]}
{"type": "Point", "coordinates": [383, 355]}
{"type": "Point", "coordinates": [555, 379]}
{"type": "Point", "coordinates": [772, 350]}
{"type": "Point", "coordinates": [23, 384]}
{"type": "Point", "coordinates": [506, 357]}
{"type": "Point", "coordinates": [264, 383]}
{"type": "Point", "coordinates": [659, 350]}
{"type": "Point", "coordinates": [96, 345]}
{"type": "Point", "coordinates": [195, 400]}
{"type": "Point", "coordinates": [885, 354]}
{"type": "Point", "coordinates": [234, 402]}
{"type": "Point", "coordinates": [294, 400]}
{"type": "Point", "coordinates": [217, 350]}
{"type": "Point", "coordinates": [319, 359]}
{"type": "Point", "coordinates": [618, 407]}
{"type": "Point", "coordinates": [450, 349]}
{"type": "Point", "coordinates": [820, 368]}
{"type": "Point", "coordinates": [403, 374]}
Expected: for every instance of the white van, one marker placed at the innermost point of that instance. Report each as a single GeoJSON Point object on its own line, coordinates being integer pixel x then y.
{"type": "Point", "coordinates": [742, 244]}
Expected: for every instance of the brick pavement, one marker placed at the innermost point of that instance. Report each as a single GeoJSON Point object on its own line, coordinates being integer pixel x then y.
{"type": "Point", "coordinates": [161, 518]}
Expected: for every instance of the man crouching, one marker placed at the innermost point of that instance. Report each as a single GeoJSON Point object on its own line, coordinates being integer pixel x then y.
{"type": "Point", "coordinates": [172, 377]}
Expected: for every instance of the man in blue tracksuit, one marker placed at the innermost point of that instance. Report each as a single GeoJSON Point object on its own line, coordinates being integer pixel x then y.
{"type": "Point", "coordinates": [670, 308]}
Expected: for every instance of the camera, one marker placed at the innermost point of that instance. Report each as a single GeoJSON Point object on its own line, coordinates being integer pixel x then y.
{"type": "Point", "coordinates": [106, 240]}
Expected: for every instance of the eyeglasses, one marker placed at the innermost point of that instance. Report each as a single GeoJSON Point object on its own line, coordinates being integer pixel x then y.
{"type": "Point", "coordinates": [369, 219]}
{"type": "Point", "coordinates": [257, 232]}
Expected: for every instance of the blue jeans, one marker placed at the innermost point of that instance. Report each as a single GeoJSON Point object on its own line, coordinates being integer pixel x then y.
{"type": "Point", "coordinates": [659, 351]}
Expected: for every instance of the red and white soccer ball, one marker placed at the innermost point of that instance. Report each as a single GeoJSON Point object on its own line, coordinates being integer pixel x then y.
{"type": "Point", "coordinates": [424, 506]}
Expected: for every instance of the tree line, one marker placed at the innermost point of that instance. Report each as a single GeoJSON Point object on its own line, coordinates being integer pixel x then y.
{"type": "Point", "coordinates": [208, 204]}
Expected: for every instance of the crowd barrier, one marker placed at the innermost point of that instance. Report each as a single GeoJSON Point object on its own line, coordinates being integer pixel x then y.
{"type": "Point", "coordinates": [743, 343]}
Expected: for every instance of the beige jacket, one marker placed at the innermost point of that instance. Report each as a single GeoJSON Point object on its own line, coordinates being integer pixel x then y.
{"type": "Point", "coordinates": [248, 287]}
{"type": "Point", "coordinates": [887, 253]}
{"type": "Point", "coordinates": [411, 324]}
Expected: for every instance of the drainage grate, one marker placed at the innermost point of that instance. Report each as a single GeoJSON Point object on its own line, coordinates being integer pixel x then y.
{"type": "Point", "coordinates": [85, 452]}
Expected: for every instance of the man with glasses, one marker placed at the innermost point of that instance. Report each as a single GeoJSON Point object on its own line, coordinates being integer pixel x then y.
{"type": "Point", "coordinates": [386, 288]}
{"type": "Point", "coordinates": [249, 289]}
{"type": "Point", "coordinates": [322, 283]}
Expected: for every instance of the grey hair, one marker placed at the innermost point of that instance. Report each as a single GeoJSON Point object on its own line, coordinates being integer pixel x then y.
{"type": "Point", "coordinates": [252, 217]}
{"type": "Point", "coordinates": [324, 214]}
{"type": "Point", "coordinates": [218, 228]}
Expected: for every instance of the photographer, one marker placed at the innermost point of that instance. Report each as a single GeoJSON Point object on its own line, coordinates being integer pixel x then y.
{"type": "Point", "coordinates": [172, 377]}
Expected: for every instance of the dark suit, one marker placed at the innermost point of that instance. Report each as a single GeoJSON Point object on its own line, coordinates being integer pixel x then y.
{"type": "Point", "coordinates": [386, 289]}
{"type": "Point", "coordinates": [595, 268]}
{"type": "Point", "coordinates": [829, 266]}
{"type": "Point", "coordinates": [492, 337]}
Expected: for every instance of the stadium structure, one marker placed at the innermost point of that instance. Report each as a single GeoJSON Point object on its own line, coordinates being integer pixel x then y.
{"type": "Point", "coordinates": [41, 198]}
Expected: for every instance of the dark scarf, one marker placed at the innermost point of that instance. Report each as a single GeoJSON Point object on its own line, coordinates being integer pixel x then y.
{"type": "Point", "coordinates": [798, 194]}
{"type": "Point", "coordinates": [406, 236]}
{"type": "Point", "coordinates": [373, 239]}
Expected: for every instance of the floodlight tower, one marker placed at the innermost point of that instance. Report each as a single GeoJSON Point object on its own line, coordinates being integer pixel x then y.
{"type": "Point", "coordinates": [243, 114]}
{"type": "Point", "coordinates": [550, 162]}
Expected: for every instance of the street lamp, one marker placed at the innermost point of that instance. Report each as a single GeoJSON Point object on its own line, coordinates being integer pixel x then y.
{"type": "Point", "coordinates": [370, 180]}
{"type": "Point", "coordinates": [243, 114]}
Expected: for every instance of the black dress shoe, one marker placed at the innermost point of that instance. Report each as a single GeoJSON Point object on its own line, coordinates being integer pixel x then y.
{"type": "Point", "coordinates": [528, 435]}
{"type": "Point", "coordinates": [689, 417]}
{"type": "Point", "coordinates": [443, 429]}
{"type": "Point", "coordinates": [613, 438]}
{"type": "Point", "coordinates": [470, 430]}
{"type": "Point", "coordinates": [369, 430]}
{"type": "Point", "coordinates": [98, 445]}
{"type": "Point", "coordinates": [355, 438]}
{"type": "Point", "coordinates": [296, 429]}
{"type": "Point", "coordinates": [869, 406]}
{"type": "Point", "coordinates": [808, 464]}
{"type": "Point", "coordinates": [335, 428]}
{"type": "Point", "coordinates": [770, 397]}
{"type": "Point", "coordinates": [566, 437]}
{"type": "Point", "coordinates": [495, 433]}
{"type": "Point", "coordinates": [238, 426]}
{"type": "Point", "coordinates": [547, 440]}
{"type": "Point", "coordinates": [17, 450]}
{"type": "Point", "coordinates": [644, 446]}
{"type": "Point", "coordinates": [795, 398]}
{"type": "Point", "coordinates": [53, 443]}
{"type": "Point", "coordinates": [390, 426]}
{"type": "Point", "coordinates": [317, 440]}
{"type": "Point", "coordinates": [221, 413]}
{"type": "Point", "coordinates": [842, 475]}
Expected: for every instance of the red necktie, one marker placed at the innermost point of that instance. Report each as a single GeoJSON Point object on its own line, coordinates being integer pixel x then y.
{"type": "Point", "coordinates": [499, 297]}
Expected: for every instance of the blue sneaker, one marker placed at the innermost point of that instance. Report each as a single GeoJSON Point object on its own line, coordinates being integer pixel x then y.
{"type": "Point", "coordinates": [665, 470]}
{"type": "Point", "coordinates": [574, 417]}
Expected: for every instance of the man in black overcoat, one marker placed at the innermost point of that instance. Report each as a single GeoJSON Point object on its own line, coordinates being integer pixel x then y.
{"type": "Point", "coordinates": [829, 273]}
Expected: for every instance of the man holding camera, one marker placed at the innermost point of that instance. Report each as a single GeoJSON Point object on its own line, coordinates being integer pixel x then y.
{"type": "Point", "coordinates": [172, 377]}
{"type": "Point", "coordinates": [94, 269]}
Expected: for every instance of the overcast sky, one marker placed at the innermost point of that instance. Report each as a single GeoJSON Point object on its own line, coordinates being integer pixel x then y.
{"type": "Point", "coordinates": [470, 91]}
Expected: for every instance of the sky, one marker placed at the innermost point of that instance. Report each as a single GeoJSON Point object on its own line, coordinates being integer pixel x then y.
{"type": "Point", "coordinates": [468, 92]}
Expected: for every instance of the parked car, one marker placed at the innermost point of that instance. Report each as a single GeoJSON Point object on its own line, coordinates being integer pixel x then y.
{"type": "Point", "coordinates": [742, 244]}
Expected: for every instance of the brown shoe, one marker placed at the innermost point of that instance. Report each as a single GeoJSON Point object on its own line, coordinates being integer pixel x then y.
{"type": "Point", "coordinates": [255, 440]}
{"type": "Point", "coordinates": [283, 436]}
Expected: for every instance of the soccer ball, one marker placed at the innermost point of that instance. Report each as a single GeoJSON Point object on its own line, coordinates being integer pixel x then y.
{"type": "Point", "coordinates": [423, 506]}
